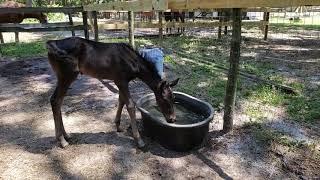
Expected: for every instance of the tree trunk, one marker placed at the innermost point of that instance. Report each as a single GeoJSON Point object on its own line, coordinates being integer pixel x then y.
{"type": "Point", "coordinates": [233, 73]}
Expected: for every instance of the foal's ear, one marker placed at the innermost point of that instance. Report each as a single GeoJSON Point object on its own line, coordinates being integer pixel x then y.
{"type": "Point", "coordinates": [162, 85]}
{"type": "Point", "coordinates": [175, 82]}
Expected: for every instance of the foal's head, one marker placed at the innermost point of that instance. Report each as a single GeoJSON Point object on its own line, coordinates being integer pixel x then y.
{"type": "Point", "coordinates": [165, 99]}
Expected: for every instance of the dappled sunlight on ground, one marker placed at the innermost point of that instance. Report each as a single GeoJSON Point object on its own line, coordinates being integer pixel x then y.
{"type": "Point", "coordinates": [20, 164]}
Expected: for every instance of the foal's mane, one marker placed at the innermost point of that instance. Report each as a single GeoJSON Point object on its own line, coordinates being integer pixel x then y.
{"type": "Point", "coordinates": [143, 60]}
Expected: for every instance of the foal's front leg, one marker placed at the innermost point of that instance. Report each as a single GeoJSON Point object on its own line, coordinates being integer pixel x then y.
{"type": "Point", "coordinates": [118, 115]}
{"type": "Point", "coordinates": [124, 93]}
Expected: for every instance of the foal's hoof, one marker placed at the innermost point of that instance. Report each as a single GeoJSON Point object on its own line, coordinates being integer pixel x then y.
{"type": "Point", "coordinates": [141, 144]}
{"type": "Point", "coordinates": [119, 129]}
{"type": "Point", "coordinates": [63, 142]}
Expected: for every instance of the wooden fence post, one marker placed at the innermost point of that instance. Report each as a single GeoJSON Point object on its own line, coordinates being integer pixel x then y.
{"type": "Point", "coordinates": [225, 30]}
{"type": "Point", "coordinates": [229, 101]}
{"type": "Point", "coordinates": [71, 23]}
{"type": "Point", "coordinates": [131, 27]}
{"type": "Point", "coordinates": [1, 38]}
{"type": "Point", "coordinates": [220, 20]}
{"type": "Point", "coordinates": [16, 36]}
{"type": "Point", "coordinates": [266, 28]}
{"type": "Point", "coordinates": [95, 26]}
{"type": "Point", "coordinates": [85, 24]}
{"type": "Point", "coordinates": [90, 21]}
{"type": "Point", "coordinates": [160, 24]}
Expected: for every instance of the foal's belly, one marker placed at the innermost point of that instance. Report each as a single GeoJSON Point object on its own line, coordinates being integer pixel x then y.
{"type": "Point", "coordinates": [99, 72]}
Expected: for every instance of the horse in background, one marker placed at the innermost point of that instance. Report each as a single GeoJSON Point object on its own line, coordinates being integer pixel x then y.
{"type": "Point", "coordinates": [147, 16]}
{"type": "Point", "coordinates": [176, 16]}
{"type": "Point", "coordinates": [18, 17]}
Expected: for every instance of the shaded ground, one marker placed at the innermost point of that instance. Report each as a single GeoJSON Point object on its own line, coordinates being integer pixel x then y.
{"type": "Point", "coordinates": [266, 143]}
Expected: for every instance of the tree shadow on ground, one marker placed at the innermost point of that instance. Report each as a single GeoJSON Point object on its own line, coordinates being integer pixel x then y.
{"type": "Point", "coordinates": [212, 165]}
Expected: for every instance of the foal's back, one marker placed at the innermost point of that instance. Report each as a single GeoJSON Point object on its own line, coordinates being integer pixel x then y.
{"type": "Point", "coordinates": [100, 60]}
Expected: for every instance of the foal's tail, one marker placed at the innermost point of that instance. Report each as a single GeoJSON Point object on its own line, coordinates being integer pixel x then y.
{"type": "Point", "coordinates": [61, 49]}
{"type": "Point", "coordinates": [54, 49]}
{"type": "Point", "coordinates": [60, 55]}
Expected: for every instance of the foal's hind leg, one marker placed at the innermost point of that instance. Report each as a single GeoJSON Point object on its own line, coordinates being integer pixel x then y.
{"type": "Point", "coordinates": [118, 115]}
{"type": "Point", "coordinates": [56, 102]}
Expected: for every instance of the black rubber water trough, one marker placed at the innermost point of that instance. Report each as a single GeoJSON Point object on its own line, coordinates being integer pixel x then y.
{"type": "Point", "coordinates": [178, 137]}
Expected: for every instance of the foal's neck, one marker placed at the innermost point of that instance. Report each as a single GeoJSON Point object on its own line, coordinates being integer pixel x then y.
{"type": "Point", "coordinates": [148, 76]}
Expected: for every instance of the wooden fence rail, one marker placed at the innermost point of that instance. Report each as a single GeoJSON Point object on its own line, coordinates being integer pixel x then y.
{"type": "Point", "coordinates": [124, 25]}
{"type": "Point", "coordinates": [65, 26]}
{"type": "Point", "coordinates": [65, 10]}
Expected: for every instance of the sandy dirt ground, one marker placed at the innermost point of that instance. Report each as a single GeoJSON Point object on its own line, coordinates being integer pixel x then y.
{"type": "Point", "coordinates": [28, 149]}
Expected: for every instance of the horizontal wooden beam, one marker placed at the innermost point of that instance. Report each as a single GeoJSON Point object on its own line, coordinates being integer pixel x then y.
{"type": "Point", "coordinates": [211, 4]}
{"type": "Point", "coordinates": [41, 29]}
{"type": "Point", "coordinates": [135, 6]}
{"type": "Point", "coordinates": [35, 25]}
{"type": "Point", "coordinates": [124, 25]}
{"type": "Point", "coordinates": [41, 9]}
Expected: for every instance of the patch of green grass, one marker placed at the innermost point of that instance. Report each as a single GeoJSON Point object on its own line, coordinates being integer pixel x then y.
{"type": "Point", "coordinates": [20, 50]}
{"type": "Point", "coordinates": [199, 80]}
{"type": "Point", "coordinates": [216, 92]}
{"type": "Point", "coordinates": [285, 27]}
{"type": "Point", "coordinates": [169, 59]}
{"type": "Point", "coordinates": [260, 69]}
{"type": "Point", "coordinates": [255, 112]}
{"type": "Point", "coordinates": [250, 68]}
{"type": "Point", "coordinates": [267, 95]}
{"type": "Point", "coordinates": [198, 85]}
{"type": "Point", "coordinates": [297, 86]}
{"type": "Point", "coordinates": [195, 47]}
{"type": "Point", "coordinates": [115, 40]}
{"type": "Point", "coordinates": [259, 97]}
{"type": "Point", "coordinates": [277, 78]}
{"type": "Point", "coordinates": [301, 108]}
{"type": "Point", "coordinates": [304, 109]}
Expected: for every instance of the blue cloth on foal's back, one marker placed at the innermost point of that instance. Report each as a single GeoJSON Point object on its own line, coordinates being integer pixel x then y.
{"type": "Point", "coordinates": [155, 56]}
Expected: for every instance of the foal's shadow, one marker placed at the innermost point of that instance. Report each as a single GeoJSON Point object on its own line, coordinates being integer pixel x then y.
{"type": "Point", "coordinates": [41, 145]}
{"type": "Point", "coordinates": [109, 138]}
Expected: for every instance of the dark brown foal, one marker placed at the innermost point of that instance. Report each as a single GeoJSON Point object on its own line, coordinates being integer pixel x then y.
{"type": "Point", "coordinates": [115, 61]}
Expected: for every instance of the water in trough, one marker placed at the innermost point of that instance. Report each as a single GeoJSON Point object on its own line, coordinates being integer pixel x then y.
{"type": "Point", "coordinates": [183, 115]}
